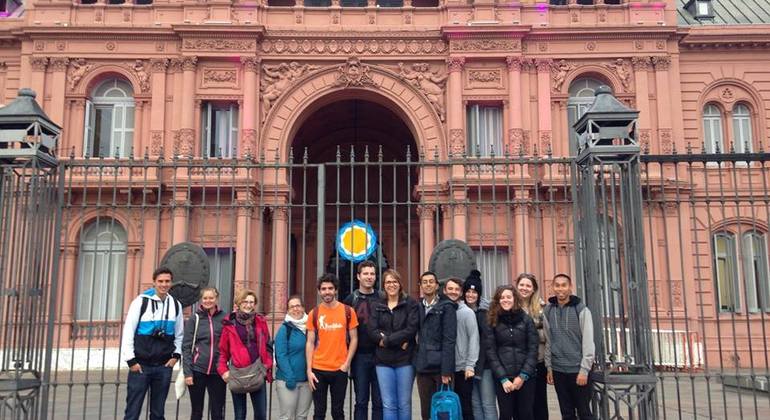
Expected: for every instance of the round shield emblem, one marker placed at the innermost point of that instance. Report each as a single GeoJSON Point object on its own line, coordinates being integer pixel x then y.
{"type": "Point", "coordinates": [356, 241]}
{"type": "Point", "coordinates": [190, 265]}
{"type": "Point", "coordinates": [452, 258]}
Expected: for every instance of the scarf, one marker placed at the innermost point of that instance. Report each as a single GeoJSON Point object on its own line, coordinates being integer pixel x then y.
{"type": "Point", "coordinates": [244, 323]}
{"type": "Point", "coordinates": [301, 323]}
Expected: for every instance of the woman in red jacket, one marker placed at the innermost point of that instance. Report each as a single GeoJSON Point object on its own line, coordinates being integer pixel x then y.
{"type": "Point", "coordinates": [245, 340]}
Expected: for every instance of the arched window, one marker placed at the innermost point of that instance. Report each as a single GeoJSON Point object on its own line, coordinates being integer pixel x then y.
{"type": "Point", "coordinates": [712, 129]}
{"type": "Point", "coordinates": [109, 122]}
{"type": "Point", "coordinates": [754, 253]}
{"type": "Point", "coordinates": [101, 271]}
{"type": "Point", "coordinates": [742, 128]}
{"type": "Point", "coordinates": [581, 96]}
{"type": "Point", "coordinates": [726, 272]}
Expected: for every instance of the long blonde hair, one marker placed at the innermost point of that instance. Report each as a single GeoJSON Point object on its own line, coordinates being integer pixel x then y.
{"type": "Point", "coordinates": [533, 305]}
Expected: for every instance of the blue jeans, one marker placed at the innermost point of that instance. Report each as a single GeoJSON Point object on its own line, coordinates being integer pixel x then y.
{"type": "Point", "coordinates": [258, 403]}
{"type": "Point", "coordinates": [155, 378]}
{"type": "Point", "coordinates": [365, 378]}
{"type": "Point", "coordinates": [396, 388]}
{"type": "Point", "coordinates": [483, 397]}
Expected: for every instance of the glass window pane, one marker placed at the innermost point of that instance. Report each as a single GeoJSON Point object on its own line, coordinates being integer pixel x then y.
{"type": "Point", "coordinates": [221, 263]}
{"type": "Point", "coordinates": [494, 268]}
{"type": "Point", "coordinates": [102, 269]}
{"type": "Point", "coordinates": [103, 131]}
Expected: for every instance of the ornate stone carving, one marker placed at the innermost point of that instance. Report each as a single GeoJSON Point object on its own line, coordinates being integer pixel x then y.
{"type": "Point", "coordinates": [590, 46]}
{"type": "Point", "coordinates": [455, 64]}
{"type": "Point", "coordinates": [38, 63]}
{"type": "Point", "coordinates": [277, 78]}
{"type": "Point", "coordinates": [641, 63]}
{"type": "Point", "coordinates": [158, 65]}
{"type": "Point", "coordinates": [639, 44]}
{"type": "Point", "coordinates": [727, 95]}
{"type": "Point", "coordinates": [39, 45]}
{"type": "Point", "coordinates": [189, 63]}
{"type": "Point", "coordinates": [661, 62]}
{"type": "Point", "coordinates": [516, 141]}
{"type": "Point", "coordinates": [644, 139]}
{"type": "Point", "coordinates": [347, 46]}
{"type": "Point", "coordinates": [219, 44]}
{"type": "Point", "coordinates": [141, 74]}
{"type": "Point", "coordinates": [160, 46]}
{"type": "Point", "coordinates": [184, 140]}
{"type": "Point", "coordinates": [156, 142]}
{"type": "Point", "coordinates": [426, 211]}
{"type": "Point", "coordinates": [514, 62]}
{"type": "Point", "coordinates": [542, 47]}
{"type": "Point", "coordinates": [660, 44]}
{"type": "Point", "coordinates": [175, 65]}
{"type": "Point", "coordinates": [58, 63]}
{"type": "Point", "coordinates": [559, 72]}
{"type": "Point", "coordinates": [543, 64]}
{"type": "Point", "coordinates": [218, 76]}
{"type": "Point", "coordinates": [622, 69]}
{"type": "Point", "coordinates": [249, 142]}
{"type": "Point", "coordinates": [430, 82]}
{"type": "Point", "coordinates": [456, 142]}
{"type": "Point", "coordinates": [78, 68]}
{"type": "Point", "coordinates": [545, 142]}
{"type": "Point", "coordinates": [485, 76]}
{"type": "Point", "coordinates": [353, 73]}
{"type": "Point", "coordinates": [61, 45]}
{"type": "Point", "coordinates": [485, 45]}
{"type": "Point", "coordinates": [250, 64]}
{"type": "Point", "coordinates": [110, 46]}
{"type": "Point", "coordinates": [664, 135]}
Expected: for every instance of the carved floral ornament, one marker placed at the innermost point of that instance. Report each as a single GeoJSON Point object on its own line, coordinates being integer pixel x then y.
{"type": "Point", "coordinates": [219, 44]}
{"type": "Point", "coordinates": [485, 45]}
{"type": "Point", "coordinates": [80, 67]}
{"type": "Point", "coordinates": [353, 46]}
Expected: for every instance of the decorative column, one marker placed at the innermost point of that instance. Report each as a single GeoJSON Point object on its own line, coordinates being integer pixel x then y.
{"type": "Point", "coordinates": [179, 216]}
{"type": "Point", "coordinates": [185, 141]}
{"type": "Point", "coordinates": [641, 66]}
{"type": "Point", "coordinates": [515, 131]}
{"type": "Point", "coordinates": [665, 140]}
{"type": "Point", "coordinates": [447, 222]}
{"type": "Point", "coordinates": [131, 284]}
{"type": "Point", "coordinates": [77, 123]}
{"type": "Point", "coordinates": [427, 213]}
{"type": "Point", "coordinates": [242, 253]}
{"type": "Point", "coordinates": [68, 279]}
{"type": "Point", "coordinates": [250, 109]}
{"type": "Point", "coordinates": [279, 282]}
{"type": "Point", "coordinates": [543, 66]}
{"type": "Point", "coordinates": [158, 67]}
{"type": "Point", "coordinates": [3, 79]}
{"type": "Point", "coordinates": [454, 95]}
{"type": "Point", "coordinates": [58, 67]}
{"type": "Point", "coordinates": [459, 215]}
{"type": "Point", "coordinates": [521, 230]}
{"type": "Point", "coordinates": [37, 79]}
{"type": "Point", "coordinates": [175, 69]}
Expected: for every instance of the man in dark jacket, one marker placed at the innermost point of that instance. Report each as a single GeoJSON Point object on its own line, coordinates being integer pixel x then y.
{"type": "Point", "coordinates": [434, 360]}
{"type": "Point", "coordinates": [569, 349]}
{"type": "Point", "coordinates": [363, 369]}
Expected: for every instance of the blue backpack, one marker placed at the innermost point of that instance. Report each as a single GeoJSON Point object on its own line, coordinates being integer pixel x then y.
{"type": "Point", "coordinates": [445, 405]}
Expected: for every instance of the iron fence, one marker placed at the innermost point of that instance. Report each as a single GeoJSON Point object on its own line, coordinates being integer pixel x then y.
{"type": "Point", "coordinates": [271, 224]}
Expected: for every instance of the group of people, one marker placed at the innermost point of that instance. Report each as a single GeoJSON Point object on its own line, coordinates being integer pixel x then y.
{"type": "Point", "coordinates": [498, 356]}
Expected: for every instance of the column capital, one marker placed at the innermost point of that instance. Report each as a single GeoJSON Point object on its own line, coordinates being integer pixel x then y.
{"type": "Point", "coordinates": [159, 65]}
{"type": "Point", "coordinates": [38, 63]}
{"type": "Point", "coordinates": [280, 213]}
{"type": "Point", "coordinates": [58, 63]}
{"type": "Point", "coordinates": [426, 211]}
{"type": "Point", "coordinates": [662, 62]}
{"type": "Point", "coordinates": [543, 65]}
{"type": "Point", "coordinates": [514, 63]}
{"type": "Point", "coordinates": [455, 64]}
{"type": "Point", "coordinates": [175, 65]}
{"type": "Point", "coordinates": [251, 63]}
{"type": "Point", "coordinates": [189, 63]}
{"type": "Point", "coordinates": [641, 63]}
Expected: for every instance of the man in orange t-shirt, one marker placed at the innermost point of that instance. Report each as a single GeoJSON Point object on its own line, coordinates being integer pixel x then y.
{"type": "Point", "coordinates": [331, 343]}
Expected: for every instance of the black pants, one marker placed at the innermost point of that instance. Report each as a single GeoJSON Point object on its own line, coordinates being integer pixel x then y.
{"type": "Point", "coordinates": [217, 389]}
{"type": "Point", "coordinates": [427, 385]}
{"type": "Point", "coordinates": [336, 382]}
{"type": "Point", "coordinates": [464, 389]}
{"type": "Point", "coordinates": [516, 404]}
{"type": "Point", "coordinates": [540, 408]}
{"type": "Point", "coordinates": [572, 397]}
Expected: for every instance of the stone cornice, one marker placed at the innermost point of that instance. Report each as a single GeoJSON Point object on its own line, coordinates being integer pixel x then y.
{"type": "Point", "coordinates": [607, 32]}
{"type": "Point", "coordinates": [353, 35]}
{"type": "Point", "coordinates": [485, 32]}
{"type": "Point", "coordinates": [754, 36]}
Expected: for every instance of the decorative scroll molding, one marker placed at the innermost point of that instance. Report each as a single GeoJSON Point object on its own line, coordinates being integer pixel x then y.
{"type": "Point", "coordinates": [622, 69]}
{"type": "Point", "coordinates": [559, 73]}
{"type": "Point", "coordinates": [430, 82]}
{"type": "Point", "coordinates": [493, 76]}
{"type": "Point", "coordinates": [353, 46]}
{"type": "Point", "coordinates": [277, 78]}
{"type": "Point", "coordinates": [485, 45]}
{"type": "Point", "coordinates": [219, 44]}
{"type": "Point", "coordinates": [456, 142]}
{"type": "Point", "coordinates": [353, 73]}
{"type": "Point", "coordinates": [220, 77]}
{"type": "Point", "coordinates": [141, 75]}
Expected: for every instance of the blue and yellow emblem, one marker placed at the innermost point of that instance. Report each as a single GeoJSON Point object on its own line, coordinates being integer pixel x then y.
{"type": "Point", "coordinates": [356, 241]}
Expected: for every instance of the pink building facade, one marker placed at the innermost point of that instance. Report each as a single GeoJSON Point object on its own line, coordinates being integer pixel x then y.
{"type": "Point", "coordinates": [186, 120]}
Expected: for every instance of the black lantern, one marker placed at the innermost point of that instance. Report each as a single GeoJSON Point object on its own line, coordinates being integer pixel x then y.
{"type": "Point", "coordinates": [607, 128]}
{"type": "Point", "coordinates": [26, 131]}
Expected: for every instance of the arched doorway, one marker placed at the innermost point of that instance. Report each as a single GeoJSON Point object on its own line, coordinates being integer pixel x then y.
{"type": "Point", "coordinates": [363, 156]}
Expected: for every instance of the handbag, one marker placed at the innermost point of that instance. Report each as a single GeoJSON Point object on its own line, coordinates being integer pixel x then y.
{"type": "Point", "coordinates": [247, 379]}
{"type": "Point", "coordinates": [180, 386]}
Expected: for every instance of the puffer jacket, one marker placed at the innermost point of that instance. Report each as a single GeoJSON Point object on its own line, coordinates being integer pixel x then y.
{"type": "Point", "coordinates": [203, 355]}
{"type": "Point", "coordinates": [512, 348]}
{"type": "Point", "coordinates": [481, 318]}
{"type": "Point", "coordinates": [233, 351]}
{"type": "Point", "coordinates": [394, 327]}
{"type": "Point", "coordinates": [436, 338]}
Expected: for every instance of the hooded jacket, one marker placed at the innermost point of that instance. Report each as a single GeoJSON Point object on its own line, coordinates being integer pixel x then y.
{"type": "Point", "coordinates": [291, 364]}
{"type": "Point", "coordinates": [203, 355]}
{"type": "Point", "coordinates": [569, 329]}
{"type": "Point", "coordinates": [152, 336]}
{"type": "Point", "coordinates": [233, 350]}
{"type": "Point", "coordinates": [364, 306]}
{"type": "Point", "coordinates": [394, 327]}
{"type": "Point", "coordinates": [468, 342]}
{"type": "Point", "coordinates": [436, 338]}
{"type": "Point", "coordinates": [512, 345]}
